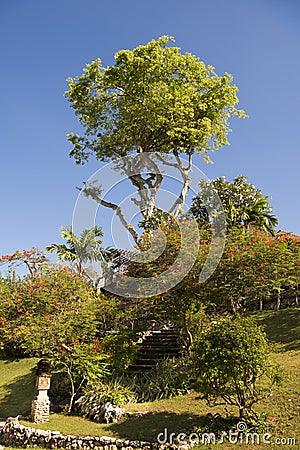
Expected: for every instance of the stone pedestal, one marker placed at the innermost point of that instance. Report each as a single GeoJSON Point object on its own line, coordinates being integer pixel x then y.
{"type": "Point", "coordinates": [40, 408]}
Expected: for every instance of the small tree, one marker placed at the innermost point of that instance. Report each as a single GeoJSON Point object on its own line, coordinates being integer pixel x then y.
{"type": "Point", "coordinates": [232, 365]}
{"type": "Point", "coordinates": [54, 314]}
{"type": "Point", "coordinates": [86, 248]}
{"type": "Point", "coordinates": [45, 311]}
{"type": "Point", "coordinates": [243, 203]}
{"type": "Point", "coordinates": [82, 363]}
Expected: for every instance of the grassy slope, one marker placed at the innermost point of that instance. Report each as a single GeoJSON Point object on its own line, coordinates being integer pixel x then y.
{"type": "Point", "coordinates": [17, 381]}
{"type": "Point", "coordinates": [182, 413]}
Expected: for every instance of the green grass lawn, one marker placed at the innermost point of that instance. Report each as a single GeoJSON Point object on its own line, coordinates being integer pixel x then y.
{"type": "Point", "coordinates": [282, 327]}
{"type": "Point", "coordinates": [182, 413]}
{"type": "Point", "coordinates": [17, 386]}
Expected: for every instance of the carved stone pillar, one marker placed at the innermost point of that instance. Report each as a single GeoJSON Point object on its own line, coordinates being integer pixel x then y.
{"type": "Point", "coordinates": [40, 408]}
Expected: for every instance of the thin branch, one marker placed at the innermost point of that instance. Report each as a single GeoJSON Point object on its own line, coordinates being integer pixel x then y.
{"type": "Point", "coordinates": [177, 205]}
{"type": "Point", "coordinates": [90, 192]}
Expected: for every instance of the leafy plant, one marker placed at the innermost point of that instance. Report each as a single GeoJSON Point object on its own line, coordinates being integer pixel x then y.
{"type": "Point", "coordinates": [40, 313]}
{"type": "Point", "coordinates": [121, 348]}
{"type": "Point", "coordinates": [82, 364]}
{"type": "Point", "coordinates": [169, 378]}
{"type": "Point", "coordinates": [86, 248]}
{"type": "Point", "coordinates": [232, 365]}
{"type": "Point", "coordinates": [243, 203]}
{"type": "Point", "coordinates": [97, 394]}
{"type": "Point", "coordinates": [153, 99]}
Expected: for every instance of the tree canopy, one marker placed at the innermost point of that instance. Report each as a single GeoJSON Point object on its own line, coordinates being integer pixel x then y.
{"type": "Point", "coordinates": [242, 202]}
{"type": "Point", "coordinates": [153, 99]}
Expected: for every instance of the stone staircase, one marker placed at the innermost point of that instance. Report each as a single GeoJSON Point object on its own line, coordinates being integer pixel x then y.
{"type": "Point", "coordinates": [155, 346]}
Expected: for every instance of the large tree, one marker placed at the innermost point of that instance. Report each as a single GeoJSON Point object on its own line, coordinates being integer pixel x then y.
{"type": "Point", "coordinates": [153, 99]}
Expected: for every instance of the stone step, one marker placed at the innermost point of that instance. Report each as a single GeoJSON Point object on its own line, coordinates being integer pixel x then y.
{"type": "Point", "coordinates": [143, 361]}
{"type": "Point", "coordinates": [150, 361]}
{"type": "Point", "coordinates": [157, 348]}
{"type": "Point", "coordinates": [158, 339]}
{"type": "Point", "coordinates": [161, 335]}
{"type": "Point", "coordinates": [141, 366]}
{"type": "Point", "coordinates": [154, 346]}
{"type": "Point", "coordinates": [160, 342]}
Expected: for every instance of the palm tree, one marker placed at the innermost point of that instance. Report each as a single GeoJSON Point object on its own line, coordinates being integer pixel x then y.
{"type": "Point", "coordinates": [260, 213]}
{"type": "Point", "coordinates": [82, 249]}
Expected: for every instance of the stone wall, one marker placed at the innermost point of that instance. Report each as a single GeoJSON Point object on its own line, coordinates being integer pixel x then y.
{"type": "Point", "coordinates": [17, 435]}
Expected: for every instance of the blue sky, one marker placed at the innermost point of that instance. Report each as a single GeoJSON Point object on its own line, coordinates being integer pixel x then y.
{"type": "Point", "coordinates": [44, 42]}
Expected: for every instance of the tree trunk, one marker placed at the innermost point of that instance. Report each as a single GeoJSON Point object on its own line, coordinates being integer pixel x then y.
{"type": "Point", "coordinates": [241, 412]}
{"type": "Point", "coordinates": [189, 335]}
{"type": "Point", "coordinates": [278, 302]}
{"type": "Point", "coordinates": [72, 391]}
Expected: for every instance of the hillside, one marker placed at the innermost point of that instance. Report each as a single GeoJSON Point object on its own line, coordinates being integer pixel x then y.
{"type": "Point", "coordinates": [282, 409]}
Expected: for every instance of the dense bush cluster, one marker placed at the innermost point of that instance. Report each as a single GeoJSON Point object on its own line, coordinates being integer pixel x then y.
{"type": "Point", "coordinates": [91, 336]}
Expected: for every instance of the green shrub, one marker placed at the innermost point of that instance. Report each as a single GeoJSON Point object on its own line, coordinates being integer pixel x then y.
{"type": "Point", "coordinates": [232, 365]}
{"type": "Point", "coordinates": [111, 391]}
{"type": "Point", "coordinates": [121, 348]}
{"type": "Point", "coordinates": [169, 378]}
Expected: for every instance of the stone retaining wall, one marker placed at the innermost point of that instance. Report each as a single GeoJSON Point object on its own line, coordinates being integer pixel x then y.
{"type": "Point", "coordinates": [17, 435]}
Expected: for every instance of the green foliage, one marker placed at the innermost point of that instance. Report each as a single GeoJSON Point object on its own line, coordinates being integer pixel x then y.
{"type": "Point", "coordinates": [86, 248]}
{"type": "Point", "coordinates": [82, 363]}
{"type": "Point", "coordinates": [243, 203]}
{"type": "Point", "coordinates": [232, 364]}
{"type": "Point", "coordinates": [196, 323]}
{"type": "Point", "coordinates": [170, 378]}
{"type": "Point", "coordinates": [254, 268]}
{"type": "Point", "coordinates": [154, 98]}
{"type": "Point", "coordinates": [121, 348]}
{"type": "Point", "coordinates": [41, 313]}
{"type": "Point", "coordinates": [84, 360]}
{"type": "Point", "coordinates": [158, 219]}
{"type": "Point", "coordinates": [113, 391]}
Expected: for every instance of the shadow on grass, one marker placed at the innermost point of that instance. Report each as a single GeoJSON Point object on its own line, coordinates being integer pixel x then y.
{"type": "Point", "coordinates": [20, 393]}
{"type": "Point", "coordinates": [148, 427]}
{"type": "Point", "coordinates": [282, 327]}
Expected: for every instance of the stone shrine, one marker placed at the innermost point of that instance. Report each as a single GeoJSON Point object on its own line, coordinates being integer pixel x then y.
{"type": "Point", "coordinates": [40, 408]}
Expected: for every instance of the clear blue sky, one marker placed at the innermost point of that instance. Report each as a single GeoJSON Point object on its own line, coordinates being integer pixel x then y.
{"type": "Point", "coordinates": [44, 42]}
